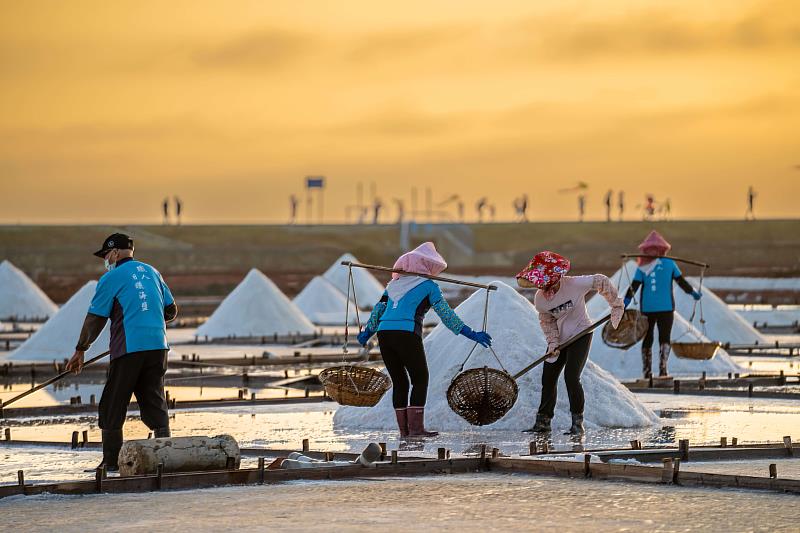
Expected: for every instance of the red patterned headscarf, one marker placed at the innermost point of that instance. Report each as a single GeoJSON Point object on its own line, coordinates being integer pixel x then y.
{"type": "Point", "coordinates": [545, 270]}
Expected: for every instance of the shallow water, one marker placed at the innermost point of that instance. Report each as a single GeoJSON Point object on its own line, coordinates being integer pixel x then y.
{"type": "Point", "coordinates": [484, 502]}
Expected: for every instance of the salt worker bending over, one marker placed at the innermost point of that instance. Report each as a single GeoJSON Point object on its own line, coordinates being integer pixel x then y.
{"type": "Point", "coordinates": [397, 319]}
{"type": "Point", "coordinates": [133, 294]}
{"type": "Point", "coordinates": [561, 304]}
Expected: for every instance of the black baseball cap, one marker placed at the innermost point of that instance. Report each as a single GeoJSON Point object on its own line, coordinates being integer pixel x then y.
{"type": "Point", "coordinates": [117, 241]}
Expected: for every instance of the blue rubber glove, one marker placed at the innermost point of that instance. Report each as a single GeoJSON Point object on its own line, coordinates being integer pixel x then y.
{"type": "Point", "coordinates": [627, 301]}
{"type": "Point", "coordinates": [364, 336]}
{"type": "Point", "coordinates": [481, 337]}
{"type": "Point", "coordinates": [696, 295]}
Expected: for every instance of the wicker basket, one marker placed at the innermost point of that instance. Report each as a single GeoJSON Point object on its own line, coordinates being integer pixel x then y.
{"type": "Point", "coordinates": [632, 328]}
{"type": "Point", "coordinates": [702, 351]}
{"type": "Point", "coordinates": [359, 386]}
{"type": "Point", "coordinates": [482, 396]}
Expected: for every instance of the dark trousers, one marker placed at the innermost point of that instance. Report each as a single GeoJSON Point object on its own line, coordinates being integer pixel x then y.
{"type": "Point", "coordinates": [404, 357]}
{"type": "Point", "coordinates": [140, 374]}
{"type": "Point", "coordinates": [571, 361]}
{"type": "Point", "coordinates": [663, 320]}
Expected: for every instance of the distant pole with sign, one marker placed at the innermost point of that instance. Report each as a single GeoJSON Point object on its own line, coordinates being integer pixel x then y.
{"type": "Point", "coordinates": [314, 183]}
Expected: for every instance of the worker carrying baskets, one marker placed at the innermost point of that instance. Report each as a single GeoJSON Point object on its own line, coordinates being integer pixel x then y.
{"type": "Point", "coordinates": [561, 304]}
{"type": "Point", "coordinates": [655, 276]}
{"type": "Point", "coordinates": [397, 319]}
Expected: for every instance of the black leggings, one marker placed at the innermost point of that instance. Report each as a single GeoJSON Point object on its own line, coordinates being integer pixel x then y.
{"type": "Point", "coordinates": [572, 360]}
{"type": "Point", "coordinates": [664, 321]}
{"type": "Point", "coordinates": [404, 357]}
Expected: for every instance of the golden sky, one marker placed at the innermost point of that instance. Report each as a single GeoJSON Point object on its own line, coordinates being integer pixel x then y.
{"type": "Point", "coordinates": [108, 106]}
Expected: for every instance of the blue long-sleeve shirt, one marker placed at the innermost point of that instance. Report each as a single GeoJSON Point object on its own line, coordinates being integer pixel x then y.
{"type": "Point", "coordinates": [408, 312]}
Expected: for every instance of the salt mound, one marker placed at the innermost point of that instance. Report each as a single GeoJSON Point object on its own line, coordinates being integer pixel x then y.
{"type": "Point", "coordinates": [20, 297]}
{"type": "Point", "coordinates": [368, 289]}
{"type": "Point", "coordinates": [518, 340]}
{"type": "Point", "coordinates": [255, 308]}
{"type": "Point", "coordinates": [57, 338]}
{"type": "Point", "coordinates": [324, 304]}
{"type": "Point", "coordinates": [722, 323]}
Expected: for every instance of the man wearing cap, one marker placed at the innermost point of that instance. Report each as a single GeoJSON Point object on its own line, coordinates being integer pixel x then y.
{"type": "Point", "coordinates": [138, 302]}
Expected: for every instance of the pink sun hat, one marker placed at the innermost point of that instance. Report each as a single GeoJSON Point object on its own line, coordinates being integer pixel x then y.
{"type": "Point", "coordinates": [654, 244]}
{"type": "Point", "coordinates": [424, 259]}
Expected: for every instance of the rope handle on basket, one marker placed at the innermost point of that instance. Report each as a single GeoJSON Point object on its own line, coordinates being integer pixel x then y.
{"type": "Point", "coordinates": [485, 325]}
{"type": "Point", "coordinates": [350, 285]}
{"type": "Point", "coordinates": [695, 305]}
{"type": "Point", "coordinates": [628, 278]}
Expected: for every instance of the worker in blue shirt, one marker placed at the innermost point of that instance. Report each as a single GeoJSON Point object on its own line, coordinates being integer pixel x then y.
{"type": "Point", "coordinates": [138, 302]}
{"type": "Point", "coordinates": [655, 276]}
{"type": "Point", "coordinates": [397, 319]}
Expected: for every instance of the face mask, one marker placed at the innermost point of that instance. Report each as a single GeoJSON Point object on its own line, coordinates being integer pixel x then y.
{"type": "Point", "coordinates": [109, 266]}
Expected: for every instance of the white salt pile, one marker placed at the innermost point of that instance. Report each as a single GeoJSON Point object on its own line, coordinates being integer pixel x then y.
{"type": "Point", "coordinates": [722, 323]}
{"type": "Point", "coordinates": [518, 340]}
{"type": "Point", "coordinates": [324, 304]}
{"type": "Point", "coordinates": [368, 289]}
{"type": "Point", "coordinates": [255, 308]}
{"type": "Point", "coordinates": [57, 338]}
{"type": "Point", "coordinates": [20, 297]}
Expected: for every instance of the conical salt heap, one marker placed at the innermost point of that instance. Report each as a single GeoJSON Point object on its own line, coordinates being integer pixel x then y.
{"type": "Point", "coordinates": [57, 338]}
{"type": "Point", "coordinates": [324, 304]}
{"type": "Point", "coordinates": [255, 308]}
{"type": "Point", "coordinates": [368, 289]}
{"type": "Point", "coordinates": [20, 297]}
{"type": "Point", "coordinates": [518, 340]}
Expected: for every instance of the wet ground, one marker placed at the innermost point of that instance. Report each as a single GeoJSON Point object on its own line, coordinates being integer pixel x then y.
{"type": "Point", "coordinates": [468, 502]}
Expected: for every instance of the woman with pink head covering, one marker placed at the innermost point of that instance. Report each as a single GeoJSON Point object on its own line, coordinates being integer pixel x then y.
{"type": "Point", "coordinates": [655, 276]}
{"type": "Point", "coordinates": [561, 304]}
{"type": "Point", "coordinates": [397, 319]}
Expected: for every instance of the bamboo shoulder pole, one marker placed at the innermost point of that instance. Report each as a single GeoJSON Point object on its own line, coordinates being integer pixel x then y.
{"type": "Point", "coordinates": [679, 259]}
{"type": "Point", "coordinates": [435, 278]}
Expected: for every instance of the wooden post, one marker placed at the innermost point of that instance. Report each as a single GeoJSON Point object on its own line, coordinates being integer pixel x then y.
{"type": "Point", "coordinates": [92, 400]}
{"type": "Point", "coordinates": [159, 476]}
{"type": "Point", "coordinates": [21, 479]}
{"type": "Point", "coordinates": [305, 445]}
{"type": "Point", "coordinates": [666, 473]}
{"type": "Point", "coordinates": [74, 439]}
{"type": "Point", "coordinates": [587, 471]}
{"type": "Point", "coordinates": [676, 468]}
{"type": "Point", "coordinates": [483, 451]}
{"type": "Point", "coordinates": [383, 450]}
{"type": "Point", "coordinates": [787, 443]}
{"type": "Point", "coordinates": [329, 456]}
{"type": "Point", "coordinates": [394, 457]}
{"type": "Point", "coordinates": [260, 470]}
{"type": "Point", "coordinates": [495, 453]}
{"type": "Point", "coordinates": [532, 448]}
{"type": "Point", "coordinates": [85, 439]}
{"type": "Point", "coordinates": [241, 394]}
{"type": "Point", "coordinates": [683, 447]}
{"type": "Point", "coordinates": [773, 471]}
{"type": "Point", "coordinates": [545, 447]}
{"type": "Point", "coordinates": [676, 386]}
{"type": "Point", "coordinates": [723, 442]}
{"type": "Point", "coordinates": [734, 441]}
{"type": "Point", "coordinates": [8, 433]}
{"type": "Point", "coordinates": [749, 390]}
{"type": "Point", "coordinates": [252, 396]}
{"type": "Point", "coordinates": [98, 478]}
{"type": "Point", "coordinates": [441, 453]}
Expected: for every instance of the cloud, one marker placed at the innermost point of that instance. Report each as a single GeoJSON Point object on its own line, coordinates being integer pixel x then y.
{"type": "Point", "coordinates": [265, 48]}
{"type": "Point", "coordinates": [404, 44]}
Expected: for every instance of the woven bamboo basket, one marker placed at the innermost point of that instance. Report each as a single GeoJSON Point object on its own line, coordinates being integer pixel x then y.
{"type": "Point", "coordinates": [632, 328]}
{"type": "Point", "coordinates": [482, 396]}
{"type": "Point", "coordinates": [359, 386]}
{"type": "Point", "coordinates": [701, 351]}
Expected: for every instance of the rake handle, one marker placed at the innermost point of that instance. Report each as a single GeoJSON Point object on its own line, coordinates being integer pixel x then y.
{"type": "Point", "coordinates": [52, 380]}
{"type": "Point", "coordinates": [562, 346]}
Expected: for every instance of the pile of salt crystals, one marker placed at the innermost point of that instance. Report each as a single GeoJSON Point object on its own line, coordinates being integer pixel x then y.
{"type": "Point", "coordinates": [20, 297]}
{"type": "Point", "coordinates": [518, 340]}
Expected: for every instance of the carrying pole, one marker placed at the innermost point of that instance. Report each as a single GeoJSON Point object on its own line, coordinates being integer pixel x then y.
{"type": "Point", "coordinates": [562, 346]}
{"type": "Point", "coordinates": [52, 380]}
{"type": "Point", "coordinates": [680, 260]}
{"type": "Point", "coordinates": [435, 278]}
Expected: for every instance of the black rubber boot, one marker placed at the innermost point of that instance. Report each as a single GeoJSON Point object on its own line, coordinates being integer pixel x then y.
{"type": "Point", "coordinates": [577, 425]}
{"type": "Point", "coordinates": [112, 444]}
{"type": "Point", "coordinates": [662, 364]}
{"type": "Point", "coordinates": [647, 362]}
{"type": "Point", "coordinates": [161, 433]}
{"type": "Point", "coordinates": [542, 425]}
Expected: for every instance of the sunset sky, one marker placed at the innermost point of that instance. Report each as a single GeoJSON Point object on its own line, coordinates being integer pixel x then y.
{"type": "Point", "coordinates": [108, 106]}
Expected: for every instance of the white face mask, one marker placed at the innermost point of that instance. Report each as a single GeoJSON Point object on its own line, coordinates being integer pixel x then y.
{"type": "Point", "coordinates": [109, 266]}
